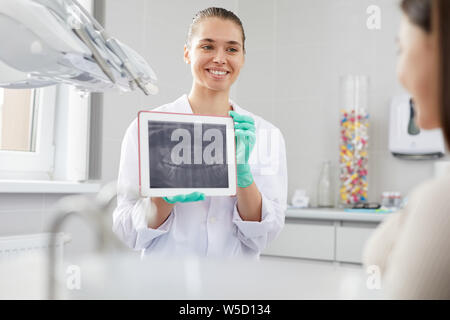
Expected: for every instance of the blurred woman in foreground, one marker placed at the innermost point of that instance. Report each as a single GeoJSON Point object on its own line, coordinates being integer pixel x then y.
{"type": "Point", "coordinates": [412, 247]}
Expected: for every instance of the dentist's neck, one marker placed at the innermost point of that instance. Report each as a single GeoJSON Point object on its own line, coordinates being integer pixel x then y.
{"type": "Point", "coordinates": [205, 101]}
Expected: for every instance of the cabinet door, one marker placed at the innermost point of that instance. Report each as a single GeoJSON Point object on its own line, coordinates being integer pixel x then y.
{"type": "Point", "coordinates": [304, 239]}
{"type": "Point", "coordinates": [351, 240]}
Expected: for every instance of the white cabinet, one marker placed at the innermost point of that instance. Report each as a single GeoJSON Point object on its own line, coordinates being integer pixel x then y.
{"type": "Point", "coordinates": [351, 240]}
{"type": "Point", "coordinates": [303, 239]}
{"type": "Point", "coordinates": [331, 235]}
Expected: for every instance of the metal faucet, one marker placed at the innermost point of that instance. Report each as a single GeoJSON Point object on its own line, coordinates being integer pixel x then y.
{"type": "Point", "coordinates": [95, 212]}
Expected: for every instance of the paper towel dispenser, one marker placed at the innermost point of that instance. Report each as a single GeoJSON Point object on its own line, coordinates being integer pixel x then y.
{"type": "Point", "coordinates": [406, 139]}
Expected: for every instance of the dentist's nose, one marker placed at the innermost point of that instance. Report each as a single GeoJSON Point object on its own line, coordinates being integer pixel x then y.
{"type": "Point", "coordinates": [219, 57]}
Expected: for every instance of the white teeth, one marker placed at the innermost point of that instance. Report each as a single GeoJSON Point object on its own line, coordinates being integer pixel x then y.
{"type": "Point", "coordinates": [220, 73]}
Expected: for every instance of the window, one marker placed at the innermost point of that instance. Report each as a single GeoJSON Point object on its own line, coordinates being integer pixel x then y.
{"type": "Point", "coordinates": [17, 110]}
{"type": "Point", "coordinates": [26, 133]}
{"type": "Point", "coordinates": [44, 133]}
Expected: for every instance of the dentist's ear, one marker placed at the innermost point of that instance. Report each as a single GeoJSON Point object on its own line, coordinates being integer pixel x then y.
{"type": "Point", "coordinates": [187, 60]}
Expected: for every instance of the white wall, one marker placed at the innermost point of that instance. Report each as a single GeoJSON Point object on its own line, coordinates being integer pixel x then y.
{"type": "Point", "coordinates": [34, 213]}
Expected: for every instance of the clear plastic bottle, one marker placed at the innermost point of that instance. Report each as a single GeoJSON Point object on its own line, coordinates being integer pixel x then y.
{"type": "Point", "coordinates": [324, 196]}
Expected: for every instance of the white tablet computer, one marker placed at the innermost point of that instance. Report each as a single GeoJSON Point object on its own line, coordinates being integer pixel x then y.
{"type": "Point", "coordinates": [183, 153]}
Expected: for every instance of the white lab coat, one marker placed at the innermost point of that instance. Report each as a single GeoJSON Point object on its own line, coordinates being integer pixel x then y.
{"type": "Point", "coordinates": [209, 228]}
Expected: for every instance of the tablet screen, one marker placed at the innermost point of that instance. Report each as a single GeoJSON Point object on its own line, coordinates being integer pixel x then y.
{"type": "Point", "coordinates": [187, 155]}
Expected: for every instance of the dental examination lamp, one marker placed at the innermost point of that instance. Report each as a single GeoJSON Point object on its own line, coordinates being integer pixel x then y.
{"type": "Point", "coordinates": [46, 42]}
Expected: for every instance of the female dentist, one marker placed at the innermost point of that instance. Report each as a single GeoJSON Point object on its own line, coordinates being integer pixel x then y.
{"type": "Point", "coordinates": [193, 224]}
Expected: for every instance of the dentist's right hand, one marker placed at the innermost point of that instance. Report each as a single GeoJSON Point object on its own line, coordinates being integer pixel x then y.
{"type": "Point", "coordinates": [190, 197]}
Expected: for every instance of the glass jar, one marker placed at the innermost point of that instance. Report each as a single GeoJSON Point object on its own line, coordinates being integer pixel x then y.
{"type": "Point", "coordinates": [354, 139]}
{"type": "Point", "coordinates": [324, 196]}
{"type": "Point", "coordinates": [391, 200]}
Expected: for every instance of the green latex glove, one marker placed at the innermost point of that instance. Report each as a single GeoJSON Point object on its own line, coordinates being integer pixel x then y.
{"type": "Point", "coordinates": [245, 132]}
{"type": "Point", "coordinates": [191, 197]}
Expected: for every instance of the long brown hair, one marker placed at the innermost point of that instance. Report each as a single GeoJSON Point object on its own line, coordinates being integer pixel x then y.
{"type": "Point", "coordinates": [428, 15]}
{"type": "Point", "coordinates": [443, 9]}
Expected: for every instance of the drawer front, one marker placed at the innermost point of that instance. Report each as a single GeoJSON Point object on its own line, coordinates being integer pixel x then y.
{"type": "Point", "coordinates": [304, 240]}
{"type": "Point", "coordinates": [350, 242]}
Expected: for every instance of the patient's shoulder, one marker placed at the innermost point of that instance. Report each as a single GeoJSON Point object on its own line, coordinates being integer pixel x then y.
{"type": "Point", "coordinates": [431, 200]}
{"type": "Point", "coordinates": [437, 189]}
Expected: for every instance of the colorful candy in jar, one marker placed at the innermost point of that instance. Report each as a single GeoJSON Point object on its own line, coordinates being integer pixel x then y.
{"type": "Point", "coordinates": [354, 126]}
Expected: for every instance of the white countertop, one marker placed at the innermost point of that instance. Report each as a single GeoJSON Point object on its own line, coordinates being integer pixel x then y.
{"type": "Point", "coordinates": [334, 214]}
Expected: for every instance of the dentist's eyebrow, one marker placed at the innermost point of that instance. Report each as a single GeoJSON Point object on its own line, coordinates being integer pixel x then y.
{"type": "Point", "coordinates": [234, 43]}
{"type": "Point", "coordinates": [229, 42]}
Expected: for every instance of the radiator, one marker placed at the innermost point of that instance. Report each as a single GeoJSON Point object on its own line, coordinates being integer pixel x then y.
{"type": "Point", "coordinates": [31, 245]}
{"type": "Point", "coordinates": [24, 264]}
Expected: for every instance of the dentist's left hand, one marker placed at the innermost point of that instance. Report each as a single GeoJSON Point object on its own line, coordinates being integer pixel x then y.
{"type": "Point", "coordinates": [245, 132]}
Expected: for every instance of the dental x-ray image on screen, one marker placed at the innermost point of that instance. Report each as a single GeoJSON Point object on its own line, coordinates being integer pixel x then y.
{"type": "Point", "coordinates": [181, 153]}
{"type": "Point", "coordinates": [187, 155]}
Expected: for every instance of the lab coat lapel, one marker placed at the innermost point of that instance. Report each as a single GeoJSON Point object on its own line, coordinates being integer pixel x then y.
{"type": "Point", "coordinates": [181, 105]}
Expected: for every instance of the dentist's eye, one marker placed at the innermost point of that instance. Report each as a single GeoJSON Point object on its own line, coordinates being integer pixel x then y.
{"type": "Point", "coordinates": [207, 47]}
{"type": "Point", "coordinates": [232, 50]}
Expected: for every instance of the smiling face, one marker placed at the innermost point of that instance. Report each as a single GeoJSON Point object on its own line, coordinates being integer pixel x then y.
{"type": "Point", "coordinates": [216, 54]}
{"type": "Point", "coordinates": [418, 71]}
